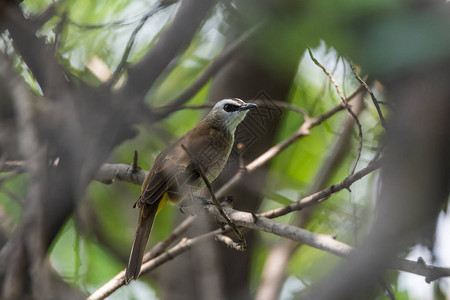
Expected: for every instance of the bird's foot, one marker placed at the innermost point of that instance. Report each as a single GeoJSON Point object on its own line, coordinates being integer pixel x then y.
{"type": "Point", "coordinates": [194, 206]}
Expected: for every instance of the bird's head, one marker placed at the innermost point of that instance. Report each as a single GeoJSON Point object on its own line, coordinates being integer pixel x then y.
{"type": "Point", "coordinates": [228, 113]}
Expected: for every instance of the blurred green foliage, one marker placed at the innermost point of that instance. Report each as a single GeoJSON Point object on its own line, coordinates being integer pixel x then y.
{"type": "Point", "coordinates": [82, 259]}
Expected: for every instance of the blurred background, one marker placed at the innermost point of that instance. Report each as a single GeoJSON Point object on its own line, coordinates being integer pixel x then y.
{"type": "Point", "coordinates": [91, 57]}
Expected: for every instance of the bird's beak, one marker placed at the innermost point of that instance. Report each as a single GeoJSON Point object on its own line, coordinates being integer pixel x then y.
{"type": "Point", "coordinates": [248, 106]}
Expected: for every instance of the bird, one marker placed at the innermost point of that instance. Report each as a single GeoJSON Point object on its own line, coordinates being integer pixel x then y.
{"type": "Point", "coordinates": [174, 175]}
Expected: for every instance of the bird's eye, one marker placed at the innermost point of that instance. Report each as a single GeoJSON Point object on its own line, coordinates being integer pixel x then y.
{"type": "Point", "coordinates": [230, 107]}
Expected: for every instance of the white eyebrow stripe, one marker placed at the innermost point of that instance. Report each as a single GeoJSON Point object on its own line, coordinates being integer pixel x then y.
{"type": "Point", "coordinates": [238, 101]}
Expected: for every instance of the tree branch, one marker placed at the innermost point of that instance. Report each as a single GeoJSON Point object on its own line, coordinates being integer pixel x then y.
{"type": "Point", "coordinates": [319, 241]}
{"type": "Point", "coordinates": [349, 109]}
{"type": "Point", "coordinates": [14, 276]}
{"type": "Point", "coordinates": [37, 55]}
{"type": "Point", "coordinates": [121, 172]}
{"type": "Point", "coordinates": [323, 194]}
{"type": "Point", "coordinates": [322, 242]}
{"type": "Point", "coordinates": [210, 71]}
{"type": "Point", "coordinates": [107, 173]}
{"type": "Point", "coordinates": [177, 37]}
{"type": "Point", "coordinates": [124, 21]}
{"type": "Point", "coordinates": [119, 280]}
{"type": "Point", "coordinates": [372, 95]}
{"type": "Point", "coordinates": [159, 5]}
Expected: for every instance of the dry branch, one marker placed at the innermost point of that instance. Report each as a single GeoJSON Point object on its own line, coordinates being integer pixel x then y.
{"type": "Point", "coordinates": [212, 69]}
{"type": "Point", "coordinates": [174, 39]}
{"type": "Point", "coordinates": [372, 95]}
{"type": "Point", "coordinates": [119, 279]}
{"type": "Point", "coordinates": [118, 72]}
{"type": "Point", "coordinates": [38, 55]}
{"type": "Point", "coordinates": [349, 109]}
{"type": "Point", "coordinates": [323, 242]}
{"type": "Point", "coordinates": [121, 172]}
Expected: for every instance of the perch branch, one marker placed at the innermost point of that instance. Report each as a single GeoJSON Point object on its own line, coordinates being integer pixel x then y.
{"type": "Point", "coordinates": [319, 241]}
{"type": "Point", "coordinates": [117, 281]}
{"type": "Point", "coordinates": [323, 242]}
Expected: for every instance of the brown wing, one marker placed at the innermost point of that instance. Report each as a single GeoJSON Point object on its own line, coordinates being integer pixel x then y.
{"type": "Point", "coordinates": [159, 179]}
{"type": "Point", "coordinates": [174, 166]}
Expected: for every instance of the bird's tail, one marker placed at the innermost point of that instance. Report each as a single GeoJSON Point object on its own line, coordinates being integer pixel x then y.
{"type": "Point", "coordinates": [146, 216]}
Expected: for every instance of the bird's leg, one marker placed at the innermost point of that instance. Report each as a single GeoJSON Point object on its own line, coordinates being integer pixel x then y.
{"type": "Point", "coordinates": [194, 204]}
{"type": "Point", "coordinates": [202, 200]}
{"type": "Point", "coordinates": [228, 202]}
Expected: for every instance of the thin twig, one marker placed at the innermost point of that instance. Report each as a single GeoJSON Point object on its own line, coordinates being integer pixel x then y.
{"type": "Point", "coordinates": [349, 109]}
{"type": "Point", "coordinates": [228, 242]}
{"type": "Point", "coordinates": [372, 96]}
{"type": "Point", "coordinates": [212, 69]}
{"type": "Point", "coordinates": [12, 166]}
{"type": "Point", "coordinates": [122, 22]}
{"type": "Point", "coordinates": [45, 15]}
{"type": "Point", "coordinates": [323, 194]}
{"type": "Point", "coordinates": [135, 161]}
{"type": "Point", "coordinates": [387, 288]}
{"type": "Point", "coordinates": [214, 199]}
{"type": "Point", "coordinates": [377, 154]}
{"type": "Point", "coordinates": [21, 201]}
{"type": "Point", "coordinates": [387, 104]}
{"type": "Point", "coordinates": [182, 246]}
{"type": "Point", "coordinates": [59, 31]}
{"type": "Point", "coordinates": [174, 235]}
{"type": "Point", "coordinates": [115, 76]}
{"type": "Point", "coordinates": [159, 5]}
